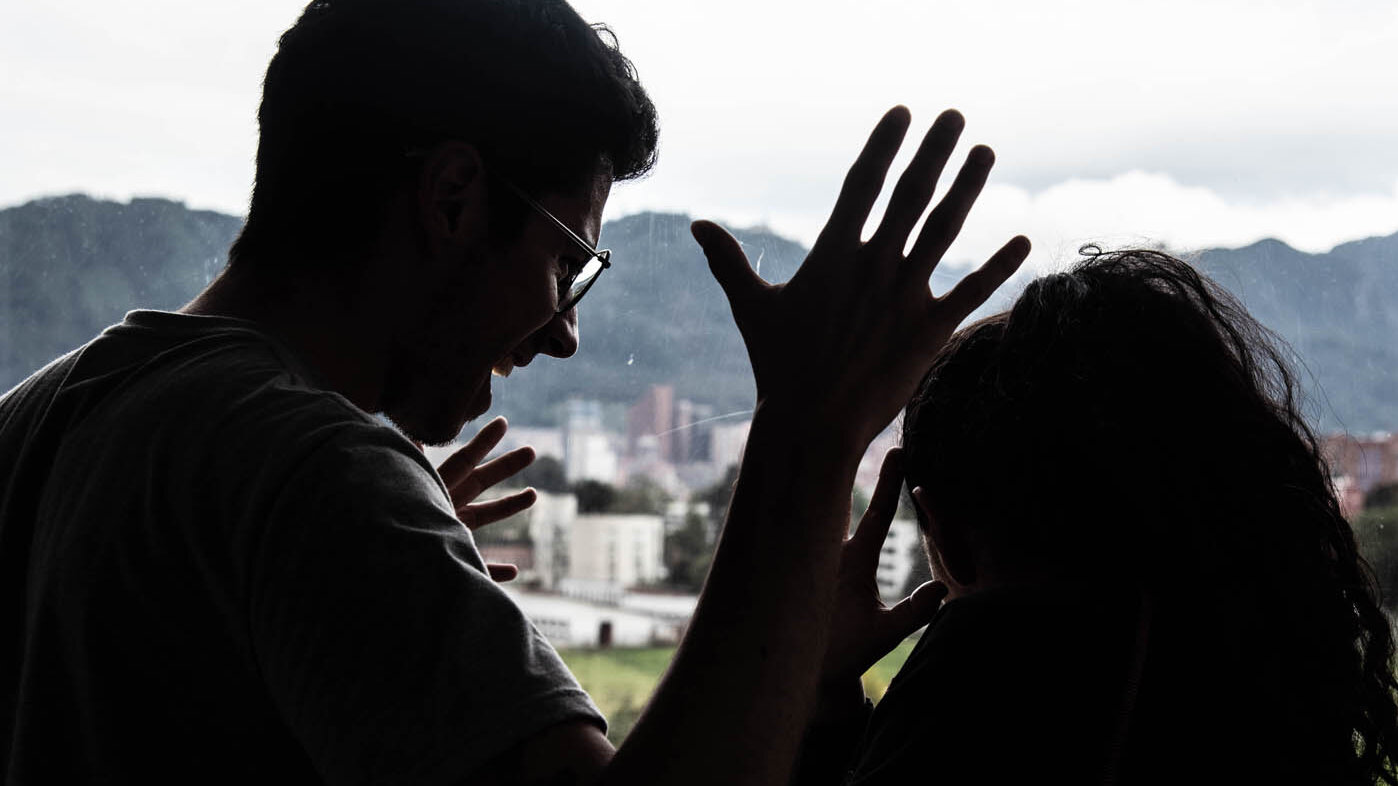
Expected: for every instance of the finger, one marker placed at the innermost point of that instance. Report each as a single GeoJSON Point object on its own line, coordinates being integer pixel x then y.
{"type": "Point", "coordinates": [946, 219]}
{"type": "Point", "coordinates": [479, 514]}
{"type": "Point", "coordinates": [912, 613]}
{"type": "Point", "coordinates": [497, 469]}
{"type": "Point", "coordinates": [502, 571]}
{"type": "Point", "coordinates": [865, 178]}
{"type": "Point", "coordinates": [873, 526]}
{"type": "Point", "coordinates": [728, 263]}
{"type": "Point", "coordinates": [915, 188]}
{"type": "Point", "coordinates": [978, 286]}
{"type": "Point", "coordinates": [470, 454]}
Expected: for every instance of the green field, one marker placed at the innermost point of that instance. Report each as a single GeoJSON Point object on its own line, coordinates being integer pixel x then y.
{"type": "Point", "coordinates": [621, 680]}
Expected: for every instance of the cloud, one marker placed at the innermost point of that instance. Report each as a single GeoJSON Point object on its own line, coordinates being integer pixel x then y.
{"type": "Point", "coordinates": [1133, 208]}
{"type": "Point", "coordinates": [1150, 208]}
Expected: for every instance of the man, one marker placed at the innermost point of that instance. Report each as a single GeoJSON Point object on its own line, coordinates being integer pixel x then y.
{"type": "Point", "coordinates": [232, 572]}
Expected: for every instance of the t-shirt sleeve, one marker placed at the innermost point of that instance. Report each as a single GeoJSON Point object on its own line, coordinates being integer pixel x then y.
{"type": "Point", "coordinates": [388, 650]}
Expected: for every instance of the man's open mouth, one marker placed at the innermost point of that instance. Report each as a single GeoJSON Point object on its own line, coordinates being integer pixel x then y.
{"type": "Point", "coordinates": [509, 363]}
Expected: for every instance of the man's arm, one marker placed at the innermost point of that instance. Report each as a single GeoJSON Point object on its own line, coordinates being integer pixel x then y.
{"type": "Point", "coordinates": [836, 352]}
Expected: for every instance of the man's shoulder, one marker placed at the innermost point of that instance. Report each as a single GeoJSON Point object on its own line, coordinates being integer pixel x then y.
{"type": "Point", "coordinates": [210, 391]}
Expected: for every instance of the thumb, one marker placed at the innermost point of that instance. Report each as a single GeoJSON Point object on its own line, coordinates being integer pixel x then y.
{"type": "Point", "coordinates": [914, 611]}
{"type": "Point", "coordinates": [727, 262]}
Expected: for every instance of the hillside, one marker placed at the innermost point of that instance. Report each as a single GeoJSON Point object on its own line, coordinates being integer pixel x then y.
{"type": "Point", "coordinates": [71, 265]}
{"type": "Point", "coordinates": [1339, 313]}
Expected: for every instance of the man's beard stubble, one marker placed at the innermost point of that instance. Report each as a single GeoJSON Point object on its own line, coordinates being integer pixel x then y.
{"type": "Point", "coordinates": [429, 399]}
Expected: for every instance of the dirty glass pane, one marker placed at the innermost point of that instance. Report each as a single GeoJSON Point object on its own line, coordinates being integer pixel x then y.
{"type": "Point", "coordinates": [1259, 142]}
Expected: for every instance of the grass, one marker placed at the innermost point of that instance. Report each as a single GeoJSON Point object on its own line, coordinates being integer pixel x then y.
{"type": "Point", "coordinates": [622, 680]}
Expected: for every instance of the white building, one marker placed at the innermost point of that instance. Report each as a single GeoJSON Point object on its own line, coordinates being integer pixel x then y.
{"type": "Point", "coordinates": [550, 525]}
{"type": "Point", "coordinates": [623, 550]}
{"type": "Point", "coordinates": [545, 441]}
{"type": "Point", "coordinates": [589, 451]}
{"type": "Point", "coordinates": [569, 622]}
{"type": "Point", "coordinates": [900, 548]}
{"type": "Point", "coordinates": [727, 443]}
{"type": "Point", "coordinates": [675, 608]}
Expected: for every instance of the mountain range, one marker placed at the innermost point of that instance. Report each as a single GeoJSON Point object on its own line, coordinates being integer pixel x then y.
{"type": "Point", "coordinates": [71, 265]}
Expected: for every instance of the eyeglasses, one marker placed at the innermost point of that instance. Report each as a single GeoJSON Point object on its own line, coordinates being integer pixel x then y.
{"type": "Point", "coordinates": [580, 280]}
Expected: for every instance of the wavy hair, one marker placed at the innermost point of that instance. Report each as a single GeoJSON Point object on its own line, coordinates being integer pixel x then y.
{"type": "Point", "coordinates": [1129, 424]}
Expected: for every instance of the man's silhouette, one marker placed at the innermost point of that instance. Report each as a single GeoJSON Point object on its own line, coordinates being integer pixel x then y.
{"type": "Point", "coordinates": [220, 567]}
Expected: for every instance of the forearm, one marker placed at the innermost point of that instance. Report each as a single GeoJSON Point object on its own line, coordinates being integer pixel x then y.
{"type": "Point", "coordinates": [735, 703]}
{"type": "Point", "coordinates": [832, 736]}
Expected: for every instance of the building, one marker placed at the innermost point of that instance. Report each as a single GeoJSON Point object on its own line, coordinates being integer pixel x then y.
{"type": "Point", "coordinates": [520, 554]}
{"type": "Point", "coordinates": [652, 416]}
{"type": "Point", "coordinates": [570, 622]}
{"type": "Point", "coordinates": [1367, 461]}
{"type": "Point", "coordinates": [618, 550]}
{"type": "Point", "coordinates": [900, 549]}
{"type": "Point", "coordinates": [545, 441]}
{"type": "Point", "coordinates": [550, 524]}
{"type": "Point", "coordinates": [691, 434]}
{"type": "Point", "coordinates": [588, 450]}
{"type": "Point", "coordinates": [1350, 496]}
{"type": "Point", "coordinates": [726, 442]}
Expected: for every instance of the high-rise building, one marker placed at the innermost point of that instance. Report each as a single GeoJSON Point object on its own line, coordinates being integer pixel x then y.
{"type": "Point", "coordinates": [653, 415]}
{"type": "Point", "coordinates": [692, 432]}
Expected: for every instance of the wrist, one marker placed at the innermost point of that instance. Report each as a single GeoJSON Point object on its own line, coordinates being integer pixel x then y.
{"type": "Point", "coordinates": [806, 429]}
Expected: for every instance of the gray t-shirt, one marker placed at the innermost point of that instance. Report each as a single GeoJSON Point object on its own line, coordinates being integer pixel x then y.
{"type": "Point", "coordinates": [212, 570]}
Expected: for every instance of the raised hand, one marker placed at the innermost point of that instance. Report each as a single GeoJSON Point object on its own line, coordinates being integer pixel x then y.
{"type": "Point", "coordinates": [466, 479]}
{"type": "Point", "coordinates": [845, 342]}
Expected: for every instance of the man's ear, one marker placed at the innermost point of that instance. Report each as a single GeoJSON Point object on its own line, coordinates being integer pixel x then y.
{"type": "Point", "coordinates": [451, 192]}
{"type": "Point", "coordinates": [949, 541]}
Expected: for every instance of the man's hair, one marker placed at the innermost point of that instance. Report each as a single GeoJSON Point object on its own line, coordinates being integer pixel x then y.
{"type": "Point", "coordinates": [1130, 425]}
{"type": "Point", "coordinates": [358, 85]}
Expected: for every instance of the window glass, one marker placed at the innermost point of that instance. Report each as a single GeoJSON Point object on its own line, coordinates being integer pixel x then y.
{"type": "Point", "coordinates": [1262, 140]}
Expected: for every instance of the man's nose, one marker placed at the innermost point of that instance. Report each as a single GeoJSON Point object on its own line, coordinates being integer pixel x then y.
{"type": "Point", "coordinates": [559, 337]}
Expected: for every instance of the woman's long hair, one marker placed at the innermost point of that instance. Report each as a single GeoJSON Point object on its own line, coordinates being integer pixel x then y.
{"type": "Point", "coordinates": [1128, 424]}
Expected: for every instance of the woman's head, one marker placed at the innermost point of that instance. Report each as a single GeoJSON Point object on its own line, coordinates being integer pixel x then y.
{"type": "Point", "coordinates": [1102, 416]}
{"type": "Point", "coordinates": [1127, 424]}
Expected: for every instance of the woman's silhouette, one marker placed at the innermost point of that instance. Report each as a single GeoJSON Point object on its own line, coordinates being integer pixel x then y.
{"type": "Point", "coordinates": [1151, 578]}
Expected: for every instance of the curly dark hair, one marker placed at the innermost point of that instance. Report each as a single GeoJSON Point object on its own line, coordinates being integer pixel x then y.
{"type": "Point", "coordinates": [355, 84]}
{"type": "Point", "coordinates": [1130, 425]}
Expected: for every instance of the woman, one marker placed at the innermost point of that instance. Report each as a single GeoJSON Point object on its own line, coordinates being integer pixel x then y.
{"type": "Point", "coordinates": [1150, 578]}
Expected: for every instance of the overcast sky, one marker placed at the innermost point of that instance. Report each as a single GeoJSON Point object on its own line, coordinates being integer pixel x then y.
{"type": "Point", "coordinates": [1188, 122]}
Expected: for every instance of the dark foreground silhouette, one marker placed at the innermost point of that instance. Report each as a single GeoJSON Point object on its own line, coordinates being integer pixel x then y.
{"type": "Point", "coordinates": [1151, 580]}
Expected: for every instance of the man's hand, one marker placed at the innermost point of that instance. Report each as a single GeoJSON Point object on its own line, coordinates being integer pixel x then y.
{"type": "Point", "coordinates": [845, 342]}
{"type": "Point", "coordinates": [466, 478]}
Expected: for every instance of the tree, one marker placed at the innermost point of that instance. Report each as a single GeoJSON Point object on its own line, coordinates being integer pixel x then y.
{"type": "Point", "coordinates": [1376, 530]}
{"type": "Point", "coordinates": [688, 553]}
{"type": "Point", "coordinates": [545, 474]}
{"type": "Point", "coordinates": [1382, 496]}
{"type": "Point", "coordinates": [719, 494]}
{"type": "Point", "coordinates": [640, 495]}
{"type": "Point", "coordinates": [594, 496]}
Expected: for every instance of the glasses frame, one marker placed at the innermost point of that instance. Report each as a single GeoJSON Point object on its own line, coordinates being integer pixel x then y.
{"type": "Point", "coordinates": [602, 255]}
